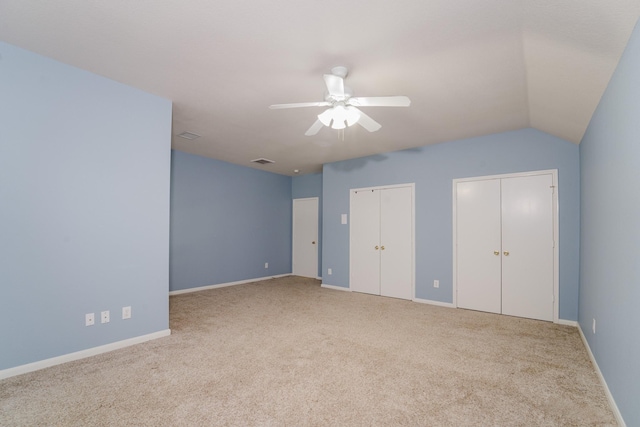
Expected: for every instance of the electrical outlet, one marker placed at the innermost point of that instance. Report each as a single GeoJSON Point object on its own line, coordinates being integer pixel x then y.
{"type": "Point", "coordinates": [436, 283]}
{"type": "Point", "coordinates": [266, 265]}
{"type": "Point", "coordinates": [89, 319]}
{"type": "Point", "coordinates": [126, 312]}
{"type": "Point", "coordinates": [329, 271]}
{"type": "Point", "coordinates": [593, 326]}
{"type": "Point", "coordinates": [104, 316]}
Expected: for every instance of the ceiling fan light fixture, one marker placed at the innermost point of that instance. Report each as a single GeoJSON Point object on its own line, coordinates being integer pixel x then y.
{"type": "Point", "coordinates": [326, 117]}
{"type": "Point", "coordinates": [339, 117]}
{"type": "Point", "coordinates": [352, 116]}
{"type": "Point", "coordinates": [336, 117]}
{"type": "Point", "coordinates": [338, 124]}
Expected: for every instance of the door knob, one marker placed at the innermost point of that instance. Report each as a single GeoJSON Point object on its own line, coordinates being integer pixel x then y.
{"type": "Point", "coordinates": [313, 243]}
{"type": "Point", "coordinates": [382, 247]}
{"type": "Point", "coordinates": [496, 252]}
{"type": "Point", "coordinates": [506, 253]}
{"type": "Point", "coordinates": [376, 248]}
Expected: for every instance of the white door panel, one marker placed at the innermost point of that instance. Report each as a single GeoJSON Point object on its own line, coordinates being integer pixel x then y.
{"type": "Point", "coordinates": [396, 245]}
{"type": "Point", "coordinates": [365, 241]}
{"type": "Point", "coordinates": [305, 237]}
{"type": "Point", "coordinates": [527, 246]}
{"type": "Point", "coordinates": [504, 255]}
{"type": "Point", "coordinates": [478, 268]}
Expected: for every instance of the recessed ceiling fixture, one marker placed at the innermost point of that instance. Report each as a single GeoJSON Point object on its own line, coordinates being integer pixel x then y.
{"type": "Point", "coordinates": [343, 111]}
{"type": "Point", "coordinates": [262, 161]}
{"type": "Point", "coordinates": [188, 135]}
{"type": "Point", "coordinates": [296, 171]}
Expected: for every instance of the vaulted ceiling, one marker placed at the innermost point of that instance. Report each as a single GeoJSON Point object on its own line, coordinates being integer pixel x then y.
{"type": "Point", "coordinates": [470, 67]}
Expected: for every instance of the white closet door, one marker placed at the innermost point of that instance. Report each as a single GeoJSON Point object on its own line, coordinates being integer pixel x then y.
{"type": "Point", "coordinates": [305, 237]}
{"type": "Point", "coordinates": [527, 247]}
{"type": "Point", "coordinates": [365, 241]}
{"type": "Point", "coordinates": [396, 261]}
{"type": "Point", "coordinates": [478, 266]}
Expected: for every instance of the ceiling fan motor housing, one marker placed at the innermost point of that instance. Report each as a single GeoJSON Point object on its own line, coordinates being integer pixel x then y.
{"type": "Point", "coordinates": [340, 71]}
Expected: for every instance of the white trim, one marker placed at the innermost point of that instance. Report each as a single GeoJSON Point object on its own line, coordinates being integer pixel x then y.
{"type": "Point", "coordinates": [383, 187]}
{"type": "Point", "coordinates": [35, 366]}
{"type": "Point", "coordinates": [556, 235]}
{"type": "Point", "coordinates": [224, 285]}
{"type": "Point", "coordinates": [432, 302]}
{"type": "Point", "coordinates": [607, 392]}
{"type": "Point", "coordinates": [566, 322]}
{"type": "Point", "coordinates": [412, 185]}
{"type": "Point", "coordinates": [318, 278]}
{"type": "Point", "coordinates": [335, 288]}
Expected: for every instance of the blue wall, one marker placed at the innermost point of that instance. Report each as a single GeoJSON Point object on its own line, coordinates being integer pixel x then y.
{"type": "Point", "coordinates": [310, 186]}
{"type": "Point", "coordinates": [433, 168]}
{"type": "Point", "coordinates": [610, 233]}
{"type": "Point", "coordinates": [84, 211]}
{"type": "Point", "coordinates": [226, 222]}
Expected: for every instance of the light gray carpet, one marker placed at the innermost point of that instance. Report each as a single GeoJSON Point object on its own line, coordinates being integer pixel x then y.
{"type": "Point", "coordinates": [287, 352]}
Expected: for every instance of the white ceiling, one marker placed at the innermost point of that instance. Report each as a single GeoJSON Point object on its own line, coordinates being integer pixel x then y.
{"type": "Point", "coordinates": [470, 67]}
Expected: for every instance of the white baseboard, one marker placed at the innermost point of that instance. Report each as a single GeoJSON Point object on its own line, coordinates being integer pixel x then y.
{"type": "Point", "coordinates": [224, 285]}
{"type": "Point", "coordinates": [335, 288]}
{"type": "Point", "coordinates": [568, 322]}
{"type": "Point", "coordinates": [432, 302]}
{"type": "Point", "coordinates": [35, 366]}
{"type": "Point", "coordinates": [612, 402]}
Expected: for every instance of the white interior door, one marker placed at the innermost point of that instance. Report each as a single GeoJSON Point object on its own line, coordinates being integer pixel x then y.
{"type": "Point", "coordinates": [478, 256]}
{"type": "Point", "coordinates": [396, 245]}
{"type": "Point", "coordinates": [365, 241]}
{"type": "Point", "coordinates": [305, 237]}
{"type": "Point", "coordinates": [527, 247]}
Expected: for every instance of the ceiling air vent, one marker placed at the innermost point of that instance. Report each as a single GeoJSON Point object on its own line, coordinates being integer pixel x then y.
{"type": "Point", "coordinates": [188, 135]}
{"type": "Point", "coordinates": [262, 161]}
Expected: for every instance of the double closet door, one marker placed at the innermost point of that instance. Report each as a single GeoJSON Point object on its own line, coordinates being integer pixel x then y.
{"type": "Point", "coordinates": [381, 241]}
{"type": "Point", "coordinates": [505, 245]}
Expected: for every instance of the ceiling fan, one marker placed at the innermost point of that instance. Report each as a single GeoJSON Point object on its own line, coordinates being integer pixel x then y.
{"type": "Point", "coordinates": [343, 111]}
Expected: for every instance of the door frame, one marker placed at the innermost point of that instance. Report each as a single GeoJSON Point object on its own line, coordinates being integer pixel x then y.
{"type": "Point", "coordinates": [412, 185]}
{"type": "Point", "coordinates": [556, 240]}
{"type": "Point", "coordinates": [293, 232]}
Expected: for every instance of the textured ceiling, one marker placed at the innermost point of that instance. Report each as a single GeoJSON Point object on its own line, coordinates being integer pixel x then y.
{"type": "Point", "coordinates": [470, 67]}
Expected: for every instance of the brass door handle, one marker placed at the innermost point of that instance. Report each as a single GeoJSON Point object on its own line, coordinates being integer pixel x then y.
{"type": "Point", "coordinates": [506, 253]}
{"type": "Point", "coordinates": [496, 252]}
{"type": "Point", "coordinates": [382, 247]}
{"type": "Point", "coordinates": [377, 248]}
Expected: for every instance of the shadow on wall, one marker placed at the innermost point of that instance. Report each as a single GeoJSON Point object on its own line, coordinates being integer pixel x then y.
{"type": "Point", "coordinates": [359, 163]}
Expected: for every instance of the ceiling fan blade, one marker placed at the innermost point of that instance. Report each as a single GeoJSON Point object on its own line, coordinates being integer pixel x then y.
{"type": "Point", "coordinates": [367, 122]}
{"type": "Point", "coordinates": [314, 129]}
{"type": "Point", "coordinates": [299, 104]}
{"type": "Point", "coordinates": [380, 101]}
{"type": "Point", "coordinates": [335, 85]}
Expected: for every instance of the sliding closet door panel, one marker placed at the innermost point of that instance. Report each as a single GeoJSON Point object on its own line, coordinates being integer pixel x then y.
{"type": "Point", "coordinates": [396, 234]}
{"type": "Point", "coordinates": [527, 245]}
{"type": "Point", "coordinates": [365, 242]}
{"type": "Point", "coordinates": [478, 258]}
